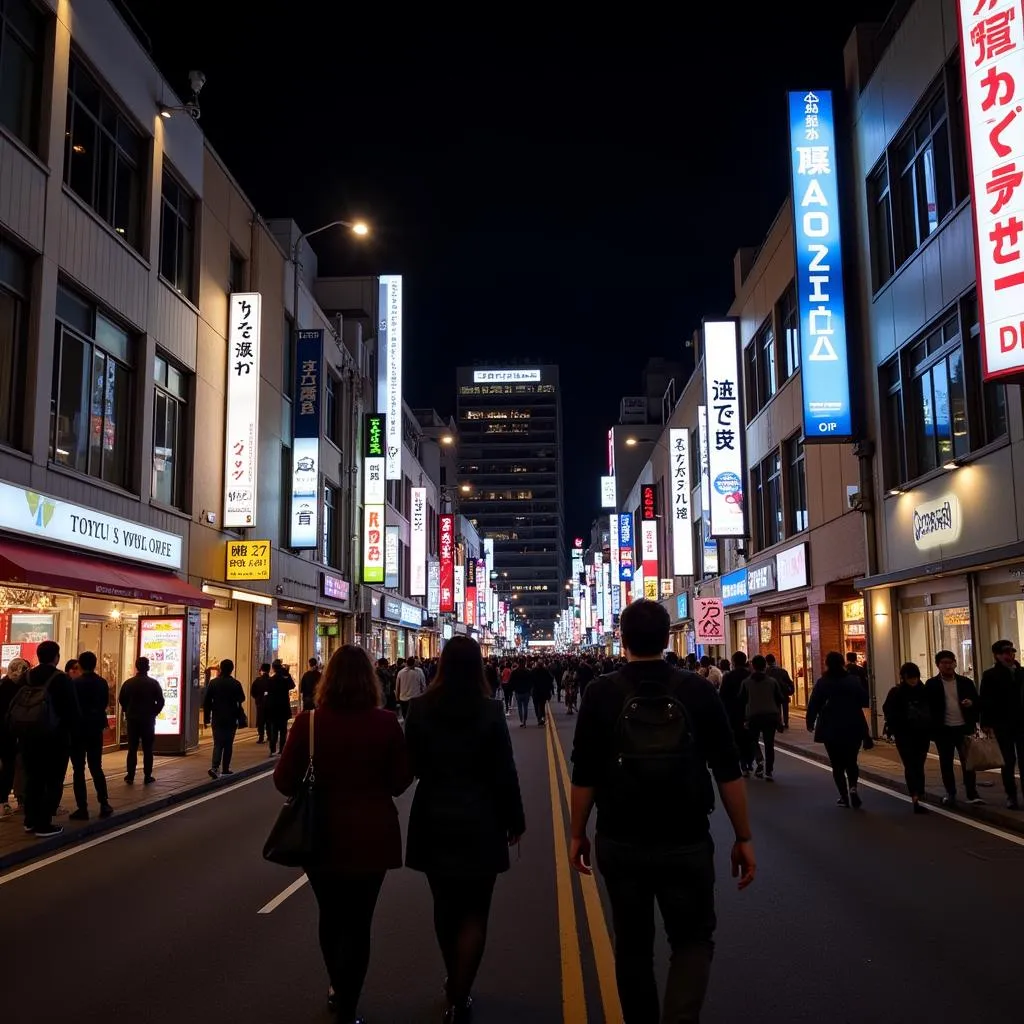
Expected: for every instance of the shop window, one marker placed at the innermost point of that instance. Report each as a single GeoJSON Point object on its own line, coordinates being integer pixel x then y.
{"type": "Point", "coordinates": [332, 549]}
{"type": "Point", "coordinates": [105, 156]}
{"type": "Point", "coordinates": [767, 490]}
{"type": "Point", "coordinates": [789, 324]}
{"type": "Point", "coordinates": [14, 288]}
{"type": "Point", "coordinates": [331, 409]}
{"type": "Point", "coordinates": [177, 236]}
{"type": "Point", "coordinates": [21, 63]}
{"type": "Point", "coordinates": [928, 631]}
{"type": "Point", "coordinates": [170, 433]}
{"type": "Point", "coordinates": [91, 405]}
{"type": "Point", "coordinates": [238, 278]}
{"type": "Point", "coordinates": [797, 484]}
{"type": "Point", "coordinates": [855, 638]}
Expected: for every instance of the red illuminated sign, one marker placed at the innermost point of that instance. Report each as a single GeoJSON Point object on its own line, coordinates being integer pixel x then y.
{"type": "Point", "coordinates": [446, 547]}
{"type": "Point", "coordinates": [648, 503]}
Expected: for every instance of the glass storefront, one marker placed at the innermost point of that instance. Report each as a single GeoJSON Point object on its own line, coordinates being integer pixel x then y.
{"type": "Point", "coordinates": [795, 653]}
{"type": "Point", "coordinates": [855, 634]}
{"type": "Point", "coordinates": [927, 631]}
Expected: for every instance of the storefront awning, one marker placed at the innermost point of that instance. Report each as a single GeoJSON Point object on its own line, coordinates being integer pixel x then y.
{"type": "Point", "coordinates": [33, 566]}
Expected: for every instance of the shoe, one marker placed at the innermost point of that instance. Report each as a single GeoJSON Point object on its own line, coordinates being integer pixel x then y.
{"type": "Point", "coordinates": [29, 828]}
{"type": "Point", "coordinates": [6, 811]}
{"type": "Point", "coordinates": [769, 777]}
{"type": "Point", "coordinates": [975, 800]}
{"type": "Point", "coordinates": [746, 773]}
{"type": "Point", "coordinates": [130, 779]}
{"type": "Point", "coordinates": [80, 815]}
{"type": "Point", "coordinates": [227, 771]}
{"type": "Point", "coordinates": [949, 800]}
{"type": "Point", "coordinates": [59, 810]}
{"type": "Point", "coordinates": [212, 773]}
{"type": "Point", "coordinates": [920, 809]}
{"type": "Point", "coordinates": [106, 810]}
{"type": "Point", "coordinates": [842, 802]}
{"type": "Point", "coordinates": [149, 780]}
{"type": "Point", "coordinates": [855, 800]}
{"type": "Point", "coordinates": [271, 754]}
{"type": "Point", "coordinates": [759, 772]}
{"type": "Point", "coordinates": [332, 1001]}
{"type": "Point", "coordinates": [1011, 804]}
{"type": "Point", "coordinates": [50, 830]}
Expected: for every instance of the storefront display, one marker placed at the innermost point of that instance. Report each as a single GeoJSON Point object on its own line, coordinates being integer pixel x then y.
{"type": "Point", "coordinates": [931, 630]}
{"type": "Point", "coordinates": [855, 638]}
{"type": "Point", "coordinates": [795, 653]}
{"type": "Point", "coordinates": [162, 641]}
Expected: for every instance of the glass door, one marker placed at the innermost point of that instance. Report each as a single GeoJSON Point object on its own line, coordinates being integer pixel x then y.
{"type": "Point", "coordinates": [795, 644]}
{"type": "Point", "coordinates": [106, 640]}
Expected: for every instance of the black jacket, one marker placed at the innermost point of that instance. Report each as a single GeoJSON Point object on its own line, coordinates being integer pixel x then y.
{"type": "Point", "coordinates": [93, 698]}
{"type": "Point", "coordinates": [543, 683]}
{"type": "Point", "coordinates": [223, 701]}
{"type": "Point", "coordinates": [259, 688]}
{"type": "Point", "coordinates": [141, 698]}
{"type": "Point", "coordinates": [468, 801]}
{"type": "Point", "coordinates": [835, 709]}
{"type": "Point", "coordinates": [62, 694]}
{"type": "Point", "coordinates": [965, 690]}
{"type": "Point", "coordinates": [521, 680]}
{"type": "Point", "coordinates": [307, 688]}
{"type": "Point", "coordinates": [731, 693]}
{"type": "Point", "coordinates": [909, 711]}
{"type": "Point", "coordinates": [1002, 698]}
{"type": "Point", "coordinates": [278, 701]}
{"type": "Point", "coordinates": [8, 688]}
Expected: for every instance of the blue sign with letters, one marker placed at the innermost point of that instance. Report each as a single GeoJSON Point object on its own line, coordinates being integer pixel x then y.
{"type": "Point", "coordinates": [824, 359]}
{"type": "Point", "coordinates": [734, 588]}
{"type": "Point", "coordinates": [626, 548]}
{"type": "Point", "coordinates": [682, 606]}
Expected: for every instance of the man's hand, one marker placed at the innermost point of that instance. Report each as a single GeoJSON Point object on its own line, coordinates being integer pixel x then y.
{"type": "Point", "coordinates": [744, 864]}
{"type": "Point", "coordinates": [579, 855]}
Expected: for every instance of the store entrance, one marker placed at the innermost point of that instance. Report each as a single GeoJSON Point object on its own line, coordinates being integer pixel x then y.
{"type": "Point", "coordinates": [795, 644]}
{"type": "Point", "coordinates": [113, 642]}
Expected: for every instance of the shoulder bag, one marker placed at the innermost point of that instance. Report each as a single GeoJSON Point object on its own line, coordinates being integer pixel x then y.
{"type": "Point", "coordinates": [294, 839]}
{"type": "Point", "coordinates": [983, 753]}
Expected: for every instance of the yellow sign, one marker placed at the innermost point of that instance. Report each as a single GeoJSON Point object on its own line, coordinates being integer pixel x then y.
{"type": "Point", "coordinates": [248, 560]}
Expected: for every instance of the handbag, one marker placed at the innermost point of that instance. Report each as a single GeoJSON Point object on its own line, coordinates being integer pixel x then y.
{"type": "Point", "coordinates": [243, 720]}
{"type": "Point", "coordinates": [294, 839]}
{"type": "Point", "coordinates": [983, 753]}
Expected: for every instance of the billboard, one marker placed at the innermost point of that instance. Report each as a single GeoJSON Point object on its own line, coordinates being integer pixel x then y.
{"type": "Point", "coordinates": [305, 507]}
{"type": "Point", "coordinates": [242, 415]}
{"type": "Point", "coordinates": [681, 486]}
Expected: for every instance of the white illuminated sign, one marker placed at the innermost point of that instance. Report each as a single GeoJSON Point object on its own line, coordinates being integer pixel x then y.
{"type": "Point", "coordinates": [506, 376]}
{"type": "Point", "coordinates": [679, 494]}
{"type": "Point", "coordinates": [726, 467]}
{"type": "Point", "coordinates": [392, 313]}
{"type": "Point", "coordinates": [373, 544]}
{"type": "Point", "coordinates": [418, 543]}
{"type": "Point", "coordinates": [241, 428]}
{"type": "Point", "coordinates": [607, 492]}
{"type": "Point", "coordinates": [791, 568]}
{"type": "Point", "coordinates": [937, 522]}
{"type": "Point", "coordinates": [460, 584]}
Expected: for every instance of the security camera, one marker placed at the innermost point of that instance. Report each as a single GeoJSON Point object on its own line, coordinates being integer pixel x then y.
{"type": "Point", "coordinates": [193, 110]}
{"type": "Point", "coordinates": [196, 81]}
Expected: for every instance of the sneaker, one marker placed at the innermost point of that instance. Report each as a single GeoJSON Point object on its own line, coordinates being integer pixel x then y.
{"type": "Point", "coordinates": [106, 810]}
{"type": "Point", "coordinates": [769, 777]}
{"type": "Point", "coordinates": [50, 830]}
{"type": "Point", "coordinates": [227, 771]}
{"type": "Point", "coordinates": [148, 780]}
{"type": "Point", "coordinates": [975, 800]}
{"type": "Point", "coordinates": [920, 809]}
{"type": "Point", "coordinates": [130, 779]}
{"type": "Point", "coordinates": [212, 773]}
{"type": "Point", "coordinates": [82, 814]}
{"type": "Point", "coordinates": [6, 811]}
{"type": "Point", "coordinates": [949, 800]}
{"type": "Point", "coordinates": [855, 800]}
{"type": "Point", "coordinates": [1011, 804]}
{"type": "Point", "coordinates": [759, 772]}
{"type": "Point", "coordinates": [28, 828]}
{"type": "Point", "coordinates": [842, 802]}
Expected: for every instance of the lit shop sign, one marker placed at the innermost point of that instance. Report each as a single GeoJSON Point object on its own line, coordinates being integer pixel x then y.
{"type": "Point", "coordinates": [626, 547]}
{"type": "Point", "coordinates": [334, 587]}
{"type": "Point", "coordinates": [403, 612]}
{"type": "Point", "coordinates": [418, 543]}
{"type": "Point", "coordinates": [682, 530]}
{"type": "Point", "coordinates": [682, 606]}
{"type": "Point", "coordinates": [992, 57]}
{"type": "Point", "coordinates": [162, 640]}
{"type": "Point", "coordinates": [506, 376]}
{"type": "Point", "coordinates": [709, 620]}
{"type": "Point", "coordinates": [791, 568]}
{"type": "Point", "coordinates": [433, 589]}
{"type": "Point", "coordinates": [824, 363]}
{"type": "Point", "coordinates": [937, 523]}
{"type": "Point", "coordinates": [460, 584]}
{"type": "Point", "coordinates": [648, 503]}
{"type": "Point", "coordinates": [446, 564]}
{"type": "Point", "coordinates": [309, 368]}
{"type": "Point", "coordinates": [761, 578]}
{"type": "Point", "coordinates": [241, 429]}
{"type": "Point", "coordinates": [726, 463]}
{"type": "Point", "coordinates": [392, 536]}
{"type": "Point", "coordinates": [391, 367]}
{"type": "Point", "coordinates": [649, 550]}
{"type": "Point", "coordinates": [607, 492]}
{"type": "Point", "coordinates": [247, 560]}
{"type": "Point", "coordinates": [55, 521]}
{"type": "Point", "coordinates": [734, 588]}
{"type": "Point", "coordinates": [373, 498]}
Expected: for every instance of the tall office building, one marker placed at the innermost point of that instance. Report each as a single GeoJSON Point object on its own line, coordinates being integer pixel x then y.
{"type": "Point", "coordinates": [510, 482]}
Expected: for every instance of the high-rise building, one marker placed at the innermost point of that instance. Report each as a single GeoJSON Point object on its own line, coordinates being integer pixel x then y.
{"type": "Point", "coordinates": [510, 482]}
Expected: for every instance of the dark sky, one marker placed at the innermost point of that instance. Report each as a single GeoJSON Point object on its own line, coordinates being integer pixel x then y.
{"type": "Point", "coordinates": [567, 192]}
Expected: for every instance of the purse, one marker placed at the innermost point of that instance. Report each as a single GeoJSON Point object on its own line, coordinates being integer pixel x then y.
{"type": "Point", "coordinates": [983, 753]}
{"type": "Point", "coordinates": [294, 839]}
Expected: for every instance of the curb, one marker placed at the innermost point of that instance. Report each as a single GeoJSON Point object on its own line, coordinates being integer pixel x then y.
{"type": "Point", "coordinates": [93, 828]}
{"type": "Point", "coordinates": [983, 813]}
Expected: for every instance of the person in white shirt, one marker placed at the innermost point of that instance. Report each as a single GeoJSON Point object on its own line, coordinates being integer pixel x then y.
{"type": "Point", "coordinates": [410, 684]}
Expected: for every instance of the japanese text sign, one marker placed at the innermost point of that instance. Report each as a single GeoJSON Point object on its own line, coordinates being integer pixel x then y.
{"type": "Point", "coordinates": [309, 366]}
{"type": "Point", "coordinates": [649, 557]}
{"type": "Point", "coordinates": [248, 560]}
{"type": "Point", "coordinates": [446, 556]}
{"type": "Point", "coordinates": [243, 402]}
{"type": "Point", "coordinates": [824, 360]}
{"type": "Point", "coordinates": [709, 620]}
{"type": "Point", "coordinates": [391, 287]}
{"type": "Point", "coordinates": [374, 486]}
{"type": "Point", "coordinates": [682, 522]}
{"type": "Point", "coordinates": [992, 58]}
{"type": "Point", "coordinates": [625, 522]}
{"type": "Point", "coordinates": [373, 544]}
{"type": "Point", "coordinates": [648, 503]}
{"type": "Point", "coordinates": [418, 543]}
{"type": "Point", "coordinates": [607, 492]}
{"type": "Point", "coordinates": [433, 589]}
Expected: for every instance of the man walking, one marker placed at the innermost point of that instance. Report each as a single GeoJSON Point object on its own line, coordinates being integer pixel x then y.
{"type": "Point", "coordinates": [653, 792]}
{"type": "Point", "coordinates": [776, 671]}
{"type": "Point", "coordinates": [308, 684]}
{"type": "Point", "coordinates": [279, 706]}
{"type": "Point", "coordinates": [411, 683]}
{"type": "Point", "coordinates": [141, 700]}
{"type": "Point", "coordinates": [1002, 712]}
{"type": "Point", "coordinates": [954, 701]}
{"type": "Point", "coordinates": [222, 707]}
{"type": "Point", "coordinates": [87, 742]}
{"type": "Point", "coordinates": [258, 690]}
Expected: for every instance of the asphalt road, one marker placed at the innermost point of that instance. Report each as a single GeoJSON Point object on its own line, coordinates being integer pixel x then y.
{"type": "Point", "coordinates": [869, 916]}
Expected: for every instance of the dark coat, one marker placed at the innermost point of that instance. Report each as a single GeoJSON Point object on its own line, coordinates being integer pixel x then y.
{"type": "Point", "coordinates": [141, 698]}
{"type": "Point", "coordinates": [1002, 698]}
{"type": "Point", "coordinates": [361, 764]}
{"type": "Point", "coordinates": [965, 690]}
{"type": "Point", "coordinates": [278, 701]}
{"type": "Point", "coordinates": [468, 802]}
{"type": "Point", "coordinates": [908, 711]}
{"type": "Point", "coordinates": [835, 710]}
{"type": "Point", "coordinates": [223, 702]}
{"type": "Point", "coordinates": [93, 698]}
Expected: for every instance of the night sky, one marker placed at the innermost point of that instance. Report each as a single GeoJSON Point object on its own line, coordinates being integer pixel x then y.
{"type": "Point", "coordinates": [571, 192]}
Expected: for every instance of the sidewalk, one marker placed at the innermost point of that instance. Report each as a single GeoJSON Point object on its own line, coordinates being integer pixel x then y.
{"type": "Point", "coordinates": [882, 765]}
{"type": "Point", "coordinates": [177, 779]}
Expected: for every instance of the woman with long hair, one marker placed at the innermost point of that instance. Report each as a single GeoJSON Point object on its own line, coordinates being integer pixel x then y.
{"type": "Point", "coordinates": [467, 810]}
{"type": "Point", "coordinates": [361, 764]}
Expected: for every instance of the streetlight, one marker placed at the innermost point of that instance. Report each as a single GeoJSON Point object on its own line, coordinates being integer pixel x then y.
{"type": "Point", "coordinates": [465, 488]}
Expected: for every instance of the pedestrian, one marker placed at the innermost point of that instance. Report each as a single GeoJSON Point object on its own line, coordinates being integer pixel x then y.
{"type": "Point", "coordinates": [258, 692]}
{"type": "Point", "coordinates": [955, 713]}
{"type": "Point", "coordinates": [908, 720]}
{"type": "Point", "coordinates": [653, 791]}
{"type": "Point", "coordinates": [506, 687]}
{"type": "Point", "coordinates": [361, 764]}
{"type": "Point", "coordinates": [521, 682]}
{"type": "Point", "coordinates": [410, 684]}
{"type": "Point", "coordinates": [785, 683]}
{"type": "Point", "coordinates": [856, 669]}
{"type": "Point", "coordinates": [836, 717]}
{"type": "Point", "coordinates": [467, 811]}
{"type": "Point", "coordinates": [141, 700]}
{"type": "Point", "coordinates": [387, 685]}
{"type": "Point", "coordinates": [762, 697]}
{"type": "Point", "coordinates": [731, 692]}
{"type": "Point", "coordinates": [543, 690]}
{"type": "Point", "coordinates": [1002, 713]}
{"type": "Point", "coordinates": [279, 706]}
{"type": "Point", "coordinates": [13, 680]}
{"type": "Point", "coordinates": [223, 708]}
{"type": "Point", "coordinates": [93, 692]}
{"type": "Point", "coordinates": [308, 684]}
{"type": "Point", "coordinates": [44, 715]}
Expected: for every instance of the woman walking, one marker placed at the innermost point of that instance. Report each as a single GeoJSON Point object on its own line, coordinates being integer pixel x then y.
{"type": "Point", "coordinates": [467, 811]}
{"type": "Point", "coordinates": [361, 764]}
{"type": "Point", "coordinates": [908, 720]}
{"type": "Point", "coordinates": [835, 715]}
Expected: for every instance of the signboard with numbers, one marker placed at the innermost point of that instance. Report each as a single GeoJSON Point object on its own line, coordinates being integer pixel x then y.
{"type": "Point", "coordinates": [248, 560]}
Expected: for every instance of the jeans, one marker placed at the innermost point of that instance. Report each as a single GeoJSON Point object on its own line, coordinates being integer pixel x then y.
{"type": "Point", "coordinates": [681, 880]}
{"type": "Point", "coordinates": [462, 908]}
{"type": "Point", "coordinates": [523, 702]}
{"type": "Point", "coordinates": [88, 749]}
{"type": "Point", "coordinates": [947, 740]}
{"type": "Point", "coordinates": [913, 751]}
{"type": "Point", "coordinates": [508, 695]}
{"type": "Point", "coordinates": [1011, 743]}
{"type": "Point", "coordinates": [140, 730]}
{"type": "Point", "coordinates": [764, 727]}
{"type": "Point", "coordinates": [842, 755]}
{"type": "Point", "coordinates": [45, 765]}
{"type": "Point", "coordinates": [223, 743]}
{"type": "Point", "coordinates": [277, 732]}
{"type": "Point", "coordinates": [346, 904]}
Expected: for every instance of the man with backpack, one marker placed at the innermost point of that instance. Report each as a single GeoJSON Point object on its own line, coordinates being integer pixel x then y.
{"type": "Point", "coordinates": [646, 737]}
{"type": "Point", "coordinates": [43, 716]}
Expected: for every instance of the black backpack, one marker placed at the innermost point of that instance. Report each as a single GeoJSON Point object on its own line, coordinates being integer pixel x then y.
{"type": "Point", "coordinates": [32, 714]}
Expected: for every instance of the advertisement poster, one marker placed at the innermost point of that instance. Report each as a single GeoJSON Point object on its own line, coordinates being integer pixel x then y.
{"type": "Point", "coordinates": [162, 640]}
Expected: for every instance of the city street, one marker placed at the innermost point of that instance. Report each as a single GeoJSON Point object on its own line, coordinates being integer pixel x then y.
{"type": "Point", "coordinates": [854, 917]}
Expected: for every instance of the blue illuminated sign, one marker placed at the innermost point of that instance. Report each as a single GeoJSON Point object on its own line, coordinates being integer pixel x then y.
{"type": "Point", "coordinates": [626, 548]}
{"type": "Point", "coordinates": [824, 361]}
{"type": "Point", "coordinates": [734, 588]}
{"type": "Point", "coordinates": [682, 606]}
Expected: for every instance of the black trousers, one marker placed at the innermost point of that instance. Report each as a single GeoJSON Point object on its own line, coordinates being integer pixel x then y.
{"type": "Point", "coordinates": [842, 755]}
{"type": "Point", "coordinates": [8, 754]}
{"type": "Point", "coordinates": [277, 732]}
{"type": "Point", "coordinates": [223, 744]}
{"type": "Point", "coordinates": [45, 765]}
{"type": "Point", "coordinates": [88, 749]}
{"type": "Point", "coordinates": [950, 740]}
{"type": "Point", "coordinates": [261, 721]}
{"type": "Point", "coordinates": [913, 751]}
{"type": "Point", "coordinates": [764, 727]}
{"type": "Point", "coordinates": [540, 707]}
{"type": "Point", "coordinates": [462, 909]}
{"type": "Point", "coordinates": [785, 713]}
{"type": "Point", "coordinates": [346, 904]}
{"type": "Point", "coordinates": [748, 747]}
{"type": "Point", "coordinates": [140, 730]}
{"type": "Point", "coordinates": [681, 881]}
{"type": "Point", "coordinates": [1011, 743]}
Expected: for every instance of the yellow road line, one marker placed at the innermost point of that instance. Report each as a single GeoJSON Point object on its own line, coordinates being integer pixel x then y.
{"type": "Point", "coordinates": [574, 1001]}
{"type": "Point", "coordinates": [600, 937]}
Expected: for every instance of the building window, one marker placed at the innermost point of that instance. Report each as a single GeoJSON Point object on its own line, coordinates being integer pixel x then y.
{"type": "Point", "coordinates": [21, 61]}
{"type": "Point", "coordinates": [991, 402]}
{"type": "Point", "coordinates": [177, 237]}
{"type": "Point", "coordinates": [14, 286]}
{"type": "Point", "coordinates": [170, 425]}
{"type": "Point", "coordinates": [750, 372]}
{"type": "Point", "coordinates": [762, 381]}
{"type": "Point", "coordinates": [104, 156]}
{"type": "Point", "coordinates": [91, 421]}
{"type": "Point", "coordinates": [331, 550]}
{"type": "Point", "coordinates": [288, 351]}
{"type": "Point", "coordinates": [237, 277]}
{"type": "Point", "coordinates": [789, 322]}
{"type": "Point", "coordinates": [767, 480]}
{"type": "Point", "coordinates": [331, 409]}
{"type": "Point", "coordinates": [936, 407]}
{"type": "Point", "coordinates": [883, 264]}
{"type": "Point", "coordinates": [797, 485]}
